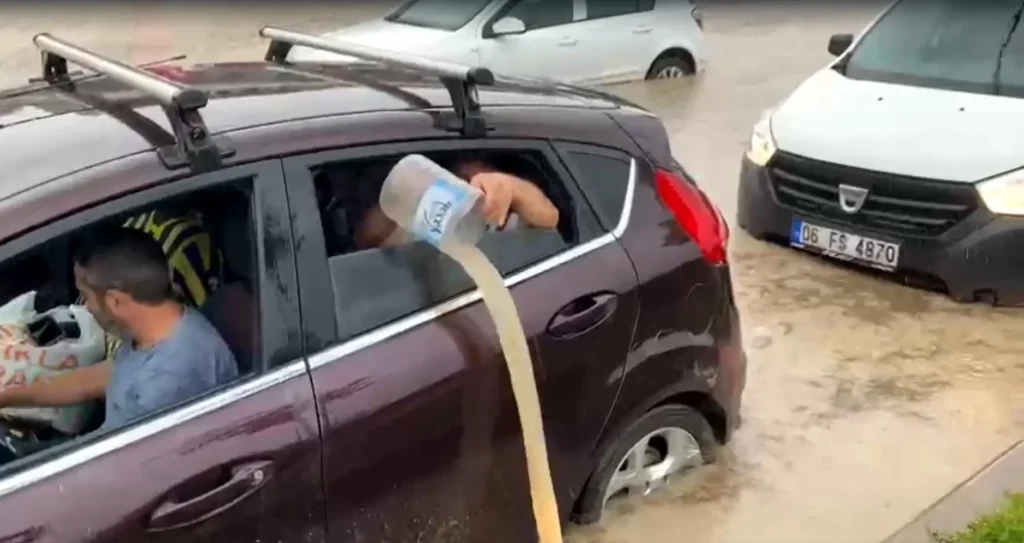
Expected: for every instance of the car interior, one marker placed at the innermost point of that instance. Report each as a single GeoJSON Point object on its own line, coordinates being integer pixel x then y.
{"type": "Point", "coordinates": [375, 286]}
{"type": "Point", "coordinates": [346, 191]}
{"type": "Point", "coordinates": [226, 216]}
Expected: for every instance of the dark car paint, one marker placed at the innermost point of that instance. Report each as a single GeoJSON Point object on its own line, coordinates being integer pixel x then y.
{"type": "Point", "coordinates": [401, 424]}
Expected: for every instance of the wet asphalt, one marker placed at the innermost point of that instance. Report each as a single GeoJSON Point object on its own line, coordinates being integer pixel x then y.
{"type": "Point", "coordinates": [866, 399]}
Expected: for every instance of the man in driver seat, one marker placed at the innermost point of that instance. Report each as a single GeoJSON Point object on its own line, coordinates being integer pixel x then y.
{"type": "Point", "coordinates": [169, 352]}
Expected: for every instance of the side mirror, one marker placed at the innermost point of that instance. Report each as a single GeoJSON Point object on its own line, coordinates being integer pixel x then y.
{"type": "Point", "coordinates": [508, 26]}
{"type": "Point", "coordinates": [839, 43]}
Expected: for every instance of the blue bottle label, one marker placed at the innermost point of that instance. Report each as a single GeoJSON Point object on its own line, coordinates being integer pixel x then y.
{"type": "Point", "coordinates": [436, 209]}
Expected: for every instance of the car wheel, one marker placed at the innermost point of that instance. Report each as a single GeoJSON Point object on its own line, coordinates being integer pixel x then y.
{"type": "Point", "coordinates": [671, 67]}
{"type": "Point", "coordinates": [665, 443]}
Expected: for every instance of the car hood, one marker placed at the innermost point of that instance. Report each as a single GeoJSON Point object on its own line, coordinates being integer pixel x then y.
{"type": "Point", "coordinates": [380, 34]}
{"type": "Point", "coordinates": [912, 131]}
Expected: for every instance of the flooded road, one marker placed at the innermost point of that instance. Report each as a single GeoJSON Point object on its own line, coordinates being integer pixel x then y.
{"type": "Point", "coordinates": [866, 400]}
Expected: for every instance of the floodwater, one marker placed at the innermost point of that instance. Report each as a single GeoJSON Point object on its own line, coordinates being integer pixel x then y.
{"type": "Point", "coordinates": [866, 400]}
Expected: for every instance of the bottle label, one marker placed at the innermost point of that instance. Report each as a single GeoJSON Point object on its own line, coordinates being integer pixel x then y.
{"type": "Point", "coordinates": [437, 207]}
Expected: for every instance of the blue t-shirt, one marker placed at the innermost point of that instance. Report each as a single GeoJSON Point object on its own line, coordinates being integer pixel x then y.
{"type": "Point", "coordinates": [193, 360]}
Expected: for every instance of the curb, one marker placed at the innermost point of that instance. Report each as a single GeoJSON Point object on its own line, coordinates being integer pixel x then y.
{"type": "Point", "coordinates": [981, 493]}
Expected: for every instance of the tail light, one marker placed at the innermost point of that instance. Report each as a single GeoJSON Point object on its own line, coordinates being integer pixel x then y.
{"type": "Point", "coordinates": [695, 213]}
{"type": "Point", "coordinates": [698, 17]}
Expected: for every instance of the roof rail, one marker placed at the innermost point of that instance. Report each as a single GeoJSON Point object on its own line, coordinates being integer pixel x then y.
{"type": "Point", "coordinates": [194, 146]}
{"type": "Point", "coordinates": [461, 81]}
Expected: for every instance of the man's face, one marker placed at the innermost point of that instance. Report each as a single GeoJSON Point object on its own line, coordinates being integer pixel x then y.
{"type": "Point", "coordinates": [105, 306]}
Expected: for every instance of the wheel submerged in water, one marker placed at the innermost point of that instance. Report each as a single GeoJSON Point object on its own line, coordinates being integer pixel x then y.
{"type": "Point", "coordinates": [665, 443]}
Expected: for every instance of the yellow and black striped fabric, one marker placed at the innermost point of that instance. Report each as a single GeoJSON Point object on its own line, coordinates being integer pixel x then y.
{"type": "Point", "coordinates": [196, 264]}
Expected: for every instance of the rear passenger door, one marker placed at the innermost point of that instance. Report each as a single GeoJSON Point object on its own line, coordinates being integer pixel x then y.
{"type": "Point", "coordinates": [421, 435]}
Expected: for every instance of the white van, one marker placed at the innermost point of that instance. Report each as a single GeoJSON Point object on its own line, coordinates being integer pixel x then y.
{"type": "Point", "coordinates": [906, 153]}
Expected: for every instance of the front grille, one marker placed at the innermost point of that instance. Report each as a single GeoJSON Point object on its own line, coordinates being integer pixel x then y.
{"type": "Point", "coordinates": [895, 204]}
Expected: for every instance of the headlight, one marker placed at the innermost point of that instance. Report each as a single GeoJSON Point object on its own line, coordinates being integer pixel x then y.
{"type": "Point", "coordinates": [762, 144]}
{"type": "Point", "coordinates": [1004, 195]}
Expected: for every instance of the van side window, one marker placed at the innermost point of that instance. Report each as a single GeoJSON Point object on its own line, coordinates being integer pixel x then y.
{"type": "Point", "coordinates": [599, 9]}
{"type": "Point", "coordinates": [376, 284]}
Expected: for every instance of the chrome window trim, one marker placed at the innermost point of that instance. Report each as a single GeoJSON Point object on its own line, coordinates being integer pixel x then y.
{"type": "Point", "coordinates": [132, 434]}
{"type": "Point", "coordinates": [78, 456]}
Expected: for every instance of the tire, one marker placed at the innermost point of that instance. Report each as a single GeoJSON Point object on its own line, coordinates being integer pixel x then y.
{"type": "Point", "coordinates": [671, 419]}
{"type": "Point", "coordinates": [675, 65]}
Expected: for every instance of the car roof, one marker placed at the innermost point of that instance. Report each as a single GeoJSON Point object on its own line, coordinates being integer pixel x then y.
{"type": "Point", "coordinates": [48, 133]}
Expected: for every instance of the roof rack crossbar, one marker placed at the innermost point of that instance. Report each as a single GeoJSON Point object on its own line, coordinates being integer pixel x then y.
{"type": "Point", "coordinates": [194, 146]}
{"type": "Point", "coordinates": [460, 81]}
{"type": "Point", "coordinates": [414, 100]}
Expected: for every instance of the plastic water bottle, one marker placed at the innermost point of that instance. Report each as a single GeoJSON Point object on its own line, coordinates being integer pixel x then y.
{"type": "Point", "coordinates": [432, 204]}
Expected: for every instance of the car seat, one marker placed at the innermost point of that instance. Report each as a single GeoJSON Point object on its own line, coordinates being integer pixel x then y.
{"type": "Point", "coordinates": [231, 308]}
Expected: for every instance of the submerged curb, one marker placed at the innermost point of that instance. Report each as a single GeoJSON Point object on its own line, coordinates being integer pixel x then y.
{"type": "Point", "coordinates": [982, 493]}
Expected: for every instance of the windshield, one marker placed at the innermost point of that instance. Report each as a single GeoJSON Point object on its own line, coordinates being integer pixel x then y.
{"type": "Point", "coordinates": [441, 14]}
{"type": "Point", "coordinates": [947, 44]}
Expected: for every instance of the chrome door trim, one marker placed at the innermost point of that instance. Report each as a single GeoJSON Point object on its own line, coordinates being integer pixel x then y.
{"type": "Point", "coordinates": [79, 456]}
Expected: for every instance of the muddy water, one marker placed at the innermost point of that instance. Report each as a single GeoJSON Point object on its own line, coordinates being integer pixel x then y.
{"type": "Point", "coordinates": [866, 400]}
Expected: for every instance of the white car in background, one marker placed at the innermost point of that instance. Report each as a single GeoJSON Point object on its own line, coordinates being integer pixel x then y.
{"type": "Point", "coordinates": [906, 153]}
{"type": "Point", "coordinates": [575, 41]}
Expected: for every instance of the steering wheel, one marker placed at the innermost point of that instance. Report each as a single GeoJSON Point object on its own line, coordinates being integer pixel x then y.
{"type": "Point", "coordinates": [17, 440]}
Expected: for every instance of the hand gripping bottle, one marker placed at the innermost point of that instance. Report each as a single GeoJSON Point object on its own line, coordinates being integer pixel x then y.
{"type": "Point", "coordinates": [432, 203]}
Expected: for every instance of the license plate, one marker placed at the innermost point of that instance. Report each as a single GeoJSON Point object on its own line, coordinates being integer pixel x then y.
{"type": "Point", "coordinates": [845, 246]}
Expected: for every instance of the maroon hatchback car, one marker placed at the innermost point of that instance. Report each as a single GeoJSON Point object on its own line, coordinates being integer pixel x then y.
{"type": "Point", "coordinates": [373, 403]}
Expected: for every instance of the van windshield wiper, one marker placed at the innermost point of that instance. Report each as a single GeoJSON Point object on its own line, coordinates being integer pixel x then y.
{"type": "Point", "coordinates": [996, 77]}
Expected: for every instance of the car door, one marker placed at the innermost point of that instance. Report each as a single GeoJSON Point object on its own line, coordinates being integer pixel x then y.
{"type": "Point", "coordinates": [620, 38]}
{"type": "Point", "coordinates": [240, 464]}
{"type": "Point", "coordinates": [549, 47]}
{"type": "Point", "coordinates": [421, 435]}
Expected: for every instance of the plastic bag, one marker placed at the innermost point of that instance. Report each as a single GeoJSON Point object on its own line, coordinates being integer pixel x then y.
{"type": "Point", "coordinates": [22, 362]}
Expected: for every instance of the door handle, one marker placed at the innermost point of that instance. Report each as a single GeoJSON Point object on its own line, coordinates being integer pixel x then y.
{"type": "Point", "coordinates": [642, 30]}
{"type": "Point", "coordinates": [567, 42]}
{"type": "Point", "coordinates": [582, 315]}
{"type": "Point", "coordinates": [244, 480]}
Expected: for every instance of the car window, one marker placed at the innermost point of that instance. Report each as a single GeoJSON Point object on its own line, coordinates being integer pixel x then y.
{"type": "Point", "coordinates": [598, 9]}
{"type": "Point", "coordinates": [440, 14]}
{"type": "Point", "coordinates": [542, 13]}
{"type": "Point", "coordinates": [603, 179]}
{"type": "Point", "coordinates": [947, 44]}
{"type": "Point", "coordinates": [376, 283]}
{"type": "Point", "coordinates": [644, 5]}
{"type": "Point", "coordinates": [50, 327]}
{"type": "Point", "coordinates": [1011, 69]}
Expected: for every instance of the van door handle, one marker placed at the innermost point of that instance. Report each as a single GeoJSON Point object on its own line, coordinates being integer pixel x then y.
{"type": "Point", "coordinates": [582, 315]}
{"type": "Point", "coordinates": [643, 29]}
{"type": "Point", "coordinates": [244, 480]}
{"type": "Point", "coordinates": [567, 42]}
